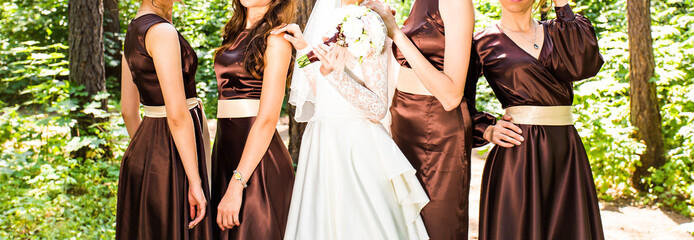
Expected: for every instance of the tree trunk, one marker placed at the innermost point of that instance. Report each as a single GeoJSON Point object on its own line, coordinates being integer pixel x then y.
{"type": "Point", "coordinates": [645, 113]}
{"type": "Point", "coordinates": [86, 57]}
{"type": "Point", "coordinates": [112, 44]}
{"type": "Point", "coordinates": [296, 130]}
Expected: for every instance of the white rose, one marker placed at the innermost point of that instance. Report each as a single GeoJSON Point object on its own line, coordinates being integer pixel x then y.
{"type": "Point", "coordinates": [359, 49]}
{"type": "Point", "coordinates": [354, 11]}
{"type": "Point", "coordinates": [377, 35]}
{"type": "Point", "coordinates": [352, 29]}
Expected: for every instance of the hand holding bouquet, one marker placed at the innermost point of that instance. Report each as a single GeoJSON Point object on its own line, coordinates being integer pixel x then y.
{"type": "Point", "coordinates": [359, 29]}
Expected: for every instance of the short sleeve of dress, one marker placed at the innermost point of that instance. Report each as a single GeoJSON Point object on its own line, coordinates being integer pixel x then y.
{"type": "Point", "coordinates": [578, 55]}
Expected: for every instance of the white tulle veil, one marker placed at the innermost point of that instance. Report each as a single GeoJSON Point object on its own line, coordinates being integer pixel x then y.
{"type": "Point", "coordinates": [319, 24]}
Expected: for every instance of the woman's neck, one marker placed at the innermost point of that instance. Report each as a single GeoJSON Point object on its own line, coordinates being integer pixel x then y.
{"type": "Point", "coordinates": [517, 21]}
{"type": "Point", "coordinates": [163, 11]}
{"type": "Point", "coordinates": [255, 14]}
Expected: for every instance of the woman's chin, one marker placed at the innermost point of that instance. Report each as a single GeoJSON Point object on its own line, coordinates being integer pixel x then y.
{"type": "Point", "coordinates": [517, 6]}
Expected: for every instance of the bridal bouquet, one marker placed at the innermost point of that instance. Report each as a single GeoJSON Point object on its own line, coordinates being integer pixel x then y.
{"type": "Point", "coordinates": [359, 29]}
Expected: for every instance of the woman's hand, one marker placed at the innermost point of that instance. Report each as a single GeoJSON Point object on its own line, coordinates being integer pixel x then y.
{"type": "Point", "coordinates": [230, 206]}
{"type": "Point", "coordinates": [293, 34]}
{"type": "Point", "coordinates": [332, 58]}
{"type": "Point", "coordinates": [560, 3]}
{"type": "Point", "coordinates": [387, 14]}
{"type": "Point", "coordinates": [504, 133]}
{"type": "Point", "coordinates": [198, 204]}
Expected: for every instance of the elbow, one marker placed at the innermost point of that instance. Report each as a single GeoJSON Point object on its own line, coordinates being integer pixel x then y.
{"type": "Point", "coordinates": [380, 113]}
{"type": "Point", "coordinates": [178, 119]}
{"type": "Point", "coordinates": [450, 103]}
{"type": "Point", "coordinates": [129, 114]}
{"type": "Point", "coordinates": [266, 122]}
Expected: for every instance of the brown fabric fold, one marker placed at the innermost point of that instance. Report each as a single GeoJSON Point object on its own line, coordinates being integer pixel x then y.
{"type": "Point", "coordinates": [438, 144]}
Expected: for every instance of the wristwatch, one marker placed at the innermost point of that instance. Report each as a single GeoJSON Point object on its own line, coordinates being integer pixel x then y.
{"type": "Point", "coordinates": [237, 175]}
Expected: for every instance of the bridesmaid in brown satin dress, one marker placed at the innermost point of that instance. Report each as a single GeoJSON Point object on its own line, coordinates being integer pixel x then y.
{"type": "Point", "coordinates": [252, 172]}
{"type": "Point", "coordinates": [431, 120]}
{"type": "Point", "coordinates": [163, 187]}
{"type": "Point", "coordinates": [543, 187]}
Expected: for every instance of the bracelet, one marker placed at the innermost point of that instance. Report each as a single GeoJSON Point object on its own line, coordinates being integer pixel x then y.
{"type": "Point", "coordinates": [238, 177]}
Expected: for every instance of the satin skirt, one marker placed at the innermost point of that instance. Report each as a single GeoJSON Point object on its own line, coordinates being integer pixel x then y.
{"type": "Point", "coordinates": [266, 200]}
{"type": "Point", "coordinates": [353, 183]}
{"type": "Point", "coordinates": [438, 143]}
{"type": "Point", "coordinates": [542, 189]}
{"type": "Point", "coordinates": [153, 187]}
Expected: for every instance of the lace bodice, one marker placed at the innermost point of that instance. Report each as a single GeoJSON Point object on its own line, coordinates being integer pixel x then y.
{"type": "Point", "coordinates": [371, 97]}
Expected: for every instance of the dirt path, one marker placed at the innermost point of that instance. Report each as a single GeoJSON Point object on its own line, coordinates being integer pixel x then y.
{"type": "Point", "coordinates": [619, 222]}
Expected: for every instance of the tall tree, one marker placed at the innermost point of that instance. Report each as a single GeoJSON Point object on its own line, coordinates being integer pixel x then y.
{"type": "Point", "coordinates": [86, 57]}
{"type": "Point", "coordinates": [112, 42]}
{"type": "Point", "coordinates": [645, 113]}
{"type": "Point", "coordinates": [296, 130]}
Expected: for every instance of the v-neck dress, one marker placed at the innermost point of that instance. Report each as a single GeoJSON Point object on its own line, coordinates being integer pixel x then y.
{"type": "Point", "coordinates": [543, 188]}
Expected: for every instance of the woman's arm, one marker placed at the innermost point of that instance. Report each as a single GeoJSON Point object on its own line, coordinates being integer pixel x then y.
{"type": "Point", "coordinates": [277, 59]}
{"type": "Point", "coordinates": [165, 49]}
{"type": "Point", "coordinates": [371, 98]}
{"type": "Point", "coordinates": [129, 100]}
{"type": "Point", "coordinates": [560, 3]}
{"type": "Point", "coordinates": [459, 22]}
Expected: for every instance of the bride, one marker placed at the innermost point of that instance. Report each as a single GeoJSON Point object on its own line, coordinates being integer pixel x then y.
{"type": "Point", "coordinates": [352, 181]}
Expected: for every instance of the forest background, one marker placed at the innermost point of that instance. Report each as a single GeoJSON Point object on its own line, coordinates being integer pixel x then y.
{"type": "Point", "coordinates": [62, 138]}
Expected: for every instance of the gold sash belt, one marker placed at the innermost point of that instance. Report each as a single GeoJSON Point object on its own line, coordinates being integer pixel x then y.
{"type": "Point", "coordinates": [238, 108]}
{"type": "Point", "coordinates": [409, 83]}
{"type": "Point", "coordinates": [160, 112]}
{"type": "Point", "coordinates": [541, 115]}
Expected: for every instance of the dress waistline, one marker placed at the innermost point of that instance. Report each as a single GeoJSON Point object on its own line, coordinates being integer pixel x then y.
{"type": "Point", "coordinates": [238, 108]}
{"type": "Point", "coordinates": [541, 115]}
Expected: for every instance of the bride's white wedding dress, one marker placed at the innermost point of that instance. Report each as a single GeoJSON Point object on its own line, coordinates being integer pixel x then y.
{"type": "Point", "coordinates": [352, 181]}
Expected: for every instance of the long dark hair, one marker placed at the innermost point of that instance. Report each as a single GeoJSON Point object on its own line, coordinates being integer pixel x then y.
{"type": "Point", "coordinates": [279, 12]}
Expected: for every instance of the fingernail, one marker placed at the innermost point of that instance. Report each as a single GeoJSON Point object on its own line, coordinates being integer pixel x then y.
{"type": "Point", "coordinates": [522, 139]}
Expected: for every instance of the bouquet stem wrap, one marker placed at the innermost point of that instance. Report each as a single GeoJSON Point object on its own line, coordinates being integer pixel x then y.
{"type": "Point", "coordinates": [310, 57]}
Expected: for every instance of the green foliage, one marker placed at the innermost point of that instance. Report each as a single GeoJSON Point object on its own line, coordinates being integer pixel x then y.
{"type": "Point", "coordinates": [47, 193]}
{"type": "Point", "coordinates": [603, 104]}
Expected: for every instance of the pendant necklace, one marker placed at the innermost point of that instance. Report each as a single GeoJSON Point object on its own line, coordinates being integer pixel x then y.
{"type": "Point", "coordinates": [534, 41]}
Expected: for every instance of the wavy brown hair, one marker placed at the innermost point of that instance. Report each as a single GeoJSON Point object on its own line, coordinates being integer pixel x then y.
{"type": "Point", "coordinates": [279, 12]}
{"type": "Point", "coordinates": [542, 6]}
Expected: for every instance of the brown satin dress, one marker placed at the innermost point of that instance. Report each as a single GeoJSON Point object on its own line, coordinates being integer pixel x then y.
{"type": "Point", "coordinates": [153, 187]}
{"type": "Point", "coordinates": [437, 142]}
{"type": "Point", "coordinates": [543, 188]}
{"type": "Point", "coordinates": [266, 200]}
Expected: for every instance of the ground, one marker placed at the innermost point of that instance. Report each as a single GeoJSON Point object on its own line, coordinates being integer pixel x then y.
{"type": "Point", "coordinates": [619, 221]}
